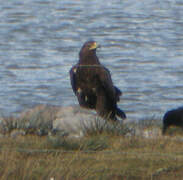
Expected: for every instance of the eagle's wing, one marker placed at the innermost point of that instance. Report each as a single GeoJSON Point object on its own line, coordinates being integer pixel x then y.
{"type": "Point", "coordinates": [73, 78]}
{"type": "Point", "coordinates": [85, 97]}
{"type": "Point", "coordinates": [106, 81]}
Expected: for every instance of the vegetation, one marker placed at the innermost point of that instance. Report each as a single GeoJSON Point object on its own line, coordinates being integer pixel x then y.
{"type": "Point", "coordinates": [92, 157]}
{"type": "Point", "coordinates": [106, 151]}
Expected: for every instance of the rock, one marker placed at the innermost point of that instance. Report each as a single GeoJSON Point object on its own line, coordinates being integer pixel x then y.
{"type": "Point", "coordinates": [38, 120]}
{"type": "Point", "coordinates": [40, 114]}
{"type": "Point", "coordinates": [52, 120]}
{"type": "Point", "coordinates": [74, 120]}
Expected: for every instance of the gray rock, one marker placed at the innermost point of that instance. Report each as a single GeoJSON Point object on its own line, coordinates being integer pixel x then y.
{"type": "Point", "coordinates": [74, 120]}
{"type": "Point", "coordinates": [42, 120]}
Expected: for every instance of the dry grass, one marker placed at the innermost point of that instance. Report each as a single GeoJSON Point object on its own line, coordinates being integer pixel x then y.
{"type": "Point", "coordinates": [92, 157]}
{"type": "Point", "coordinates": [107, 151]}
{"type": "Point", "coordinates": [35, 121]}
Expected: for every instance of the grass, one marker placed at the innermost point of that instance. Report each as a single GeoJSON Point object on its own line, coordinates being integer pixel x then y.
{"type": "Point", "coordinates": [106, 151]}
{"type": "Point", "coordinates": [92, 157]}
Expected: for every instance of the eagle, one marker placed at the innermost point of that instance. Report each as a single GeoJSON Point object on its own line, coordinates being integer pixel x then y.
{"type": "Point", "coordinates": [93, 86]}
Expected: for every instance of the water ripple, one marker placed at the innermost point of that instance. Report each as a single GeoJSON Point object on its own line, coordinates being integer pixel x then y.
{"type": "Point", "coordinates": [141, 45]}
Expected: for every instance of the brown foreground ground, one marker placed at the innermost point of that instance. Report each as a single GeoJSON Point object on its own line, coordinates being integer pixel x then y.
{"type": "Point", "coordinates": [93, 157]}
{"type": "Point", "coordinates": [30, 149]}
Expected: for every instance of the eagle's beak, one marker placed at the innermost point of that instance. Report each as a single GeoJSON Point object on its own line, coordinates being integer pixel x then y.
{"type": "Point", "coordinates": [94, 46]}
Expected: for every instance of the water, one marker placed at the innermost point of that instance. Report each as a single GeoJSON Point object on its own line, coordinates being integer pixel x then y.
{"type": "Point", "coordinates": [142, 46]}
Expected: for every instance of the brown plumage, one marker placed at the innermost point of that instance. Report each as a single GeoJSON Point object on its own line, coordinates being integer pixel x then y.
{"type": "Point", "coordinates": [93, 86]}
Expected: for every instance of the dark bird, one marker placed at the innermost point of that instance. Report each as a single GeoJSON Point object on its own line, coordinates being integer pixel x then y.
{"type": "Point", "coordinates": [93, 86]}
{"type": "Point", "coordinates": [173, 117]}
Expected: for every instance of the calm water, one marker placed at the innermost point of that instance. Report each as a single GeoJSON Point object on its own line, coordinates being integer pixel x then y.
{"type": "Point", "coordinates": [142, 45]}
